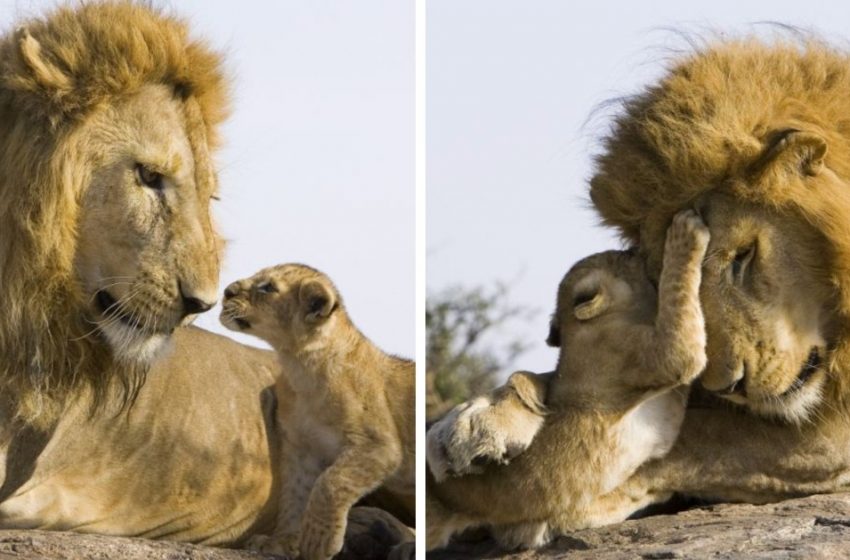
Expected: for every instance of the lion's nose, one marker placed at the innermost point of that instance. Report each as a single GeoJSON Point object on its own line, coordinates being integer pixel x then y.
{"type": "Point", "coordinates": [192, 305]}
{"type": "Point", "coordinates": [739, 387]}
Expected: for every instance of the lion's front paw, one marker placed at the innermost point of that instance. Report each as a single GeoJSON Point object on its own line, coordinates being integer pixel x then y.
{"type": "Point", "coordinates": [477, 433]}
{"type": "Point", "coordinates": [321, 539]}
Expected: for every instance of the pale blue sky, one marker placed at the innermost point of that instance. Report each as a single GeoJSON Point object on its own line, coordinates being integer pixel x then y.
{"type": "Point", "coordinates": [318, 161]}
{"type": "Point", "coordinates": [510, 85]}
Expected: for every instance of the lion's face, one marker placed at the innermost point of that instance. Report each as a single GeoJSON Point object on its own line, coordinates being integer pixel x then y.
{"type": "Point", "coordinates": [285, 305]}
{"type": "Point", "coordinates": [147, 256]}
{"type": "Point", "coordinates": [767, 301]}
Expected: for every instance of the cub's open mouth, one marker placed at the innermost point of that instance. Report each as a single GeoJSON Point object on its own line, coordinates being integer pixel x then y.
{"type": "Point", "coordinates": [110, 308]}
{"type": "Point", "coordinates": [810, 367]}
{"type": "Point", "coordinates": [242, 323]}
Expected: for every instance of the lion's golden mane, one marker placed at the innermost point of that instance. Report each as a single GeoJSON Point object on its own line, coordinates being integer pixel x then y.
{"type": "Point", "coordinates": [53, 73]}
{"type": "Point", "coordinates": [713, 123]}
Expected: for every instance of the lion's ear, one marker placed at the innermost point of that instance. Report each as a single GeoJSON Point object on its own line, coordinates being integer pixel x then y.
{"type": "Point", "coordinates": [799, 150]}
{"type": "Point", "coordinates": [317, 300]}
{"type": "Point", "coordinates": [43, 71]}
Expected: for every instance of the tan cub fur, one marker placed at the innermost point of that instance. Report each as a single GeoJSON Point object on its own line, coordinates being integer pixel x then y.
{"type": "Point", "coordinates": [349, 428]}
{"type": "Point", "coordinates": [615, 401]}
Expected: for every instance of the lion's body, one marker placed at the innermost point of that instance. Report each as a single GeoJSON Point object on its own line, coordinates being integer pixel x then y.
{"type": "Point", "coordinates": [108, 116]}
{"type": "Point", "coordinates": [193, 460]}
{"type": "Point", "coordinates": [755, 136]}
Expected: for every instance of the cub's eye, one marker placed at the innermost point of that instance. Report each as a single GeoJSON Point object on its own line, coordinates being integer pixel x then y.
{"type": "Point", "coordinates": [148, 178]}
{"type": "Point", "coordinates": [741, 261]}
{"type": "Point", "coordinates": [267, 288]}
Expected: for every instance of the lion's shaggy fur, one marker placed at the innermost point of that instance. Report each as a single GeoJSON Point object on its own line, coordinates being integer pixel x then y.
{"type": "Point", "coordinates": [53, 73]}
{"type": "Point", "coordinates": [711, 124]}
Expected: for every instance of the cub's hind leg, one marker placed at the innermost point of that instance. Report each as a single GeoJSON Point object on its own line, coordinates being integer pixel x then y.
{"type": "Point", "coordinates": [533, 534]}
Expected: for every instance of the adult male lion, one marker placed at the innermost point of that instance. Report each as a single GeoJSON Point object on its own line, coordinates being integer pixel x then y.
{"type": "Point", "coordinates": [757, 138]}
{"type": "Point", "coordinates": [109, 115]}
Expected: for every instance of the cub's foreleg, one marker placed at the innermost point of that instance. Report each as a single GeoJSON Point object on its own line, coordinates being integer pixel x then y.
{"type": "Point", "coordinates": [359, 469]}
{"type": "Point", "coordinates": [676, 355]}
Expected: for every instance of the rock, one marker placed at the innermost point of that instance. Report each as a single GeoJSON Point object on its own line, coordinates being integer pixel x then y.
{"type": "Point", "coordinates": [57, 545]}
{"type": "Point", "coordinates": [372, 534]}
{"type": "Point", "coordinates": [807, 528]}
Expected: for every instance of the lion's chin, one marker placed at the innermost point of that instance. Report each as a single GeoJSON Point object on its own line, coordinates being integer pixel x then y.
{"type": "Point", "coordinates": [131, 345]}
{"type": "Point", "coordinates": [794, 406]}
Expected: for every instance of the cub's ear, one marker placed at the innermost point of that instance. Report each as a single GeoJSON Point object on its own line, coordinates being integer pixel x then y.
{"type": "Point", "coordinates": [590, 305]}
{"type": "Point", "coordinates": [794, 149]}
{"type": "Point", "coordinates": [554, 338]}
{"type": "Point", "coordinates": [317, 299]}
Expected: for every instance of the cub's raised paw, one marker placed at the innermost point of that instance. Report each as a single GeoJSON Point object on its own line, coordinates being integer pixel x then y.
{"type": "Point", "coordinates": [321, 540]}
{"type": "Point", "coordinates": [688, 233]}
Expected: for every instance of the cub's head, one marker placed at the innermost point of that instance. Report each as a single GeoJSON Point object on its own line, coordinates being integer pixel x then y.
{"type": "Point", "coordinates": [598, 299]}
{"type": "Point", "coordinates": [288, 306]}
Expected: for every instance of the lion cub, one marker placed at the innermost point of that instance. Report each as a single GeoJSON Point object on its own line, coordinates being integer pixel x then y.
{"type": "Point", "coordinates": [616, 400]}
{"type": "Point", "coordinates": [349, 428]}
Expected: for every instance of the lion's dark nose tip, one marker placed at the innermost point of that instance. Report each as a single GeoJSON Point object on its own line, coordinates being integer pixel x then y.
{"type": "Point", "coordinates": [193, 305]}
{"type": "Point", "coordinates": [736, 388]}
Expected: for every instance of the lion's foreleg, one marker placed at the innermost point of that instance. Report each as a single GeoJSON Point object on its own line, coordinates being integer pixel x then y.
{"type": "Point", "coordinates": [725, 455]}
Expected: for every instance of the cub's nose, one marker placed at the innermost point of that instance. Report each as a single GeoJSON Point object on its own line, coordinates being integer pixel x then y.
{"type": "Point", "coordinates": [231, 290]}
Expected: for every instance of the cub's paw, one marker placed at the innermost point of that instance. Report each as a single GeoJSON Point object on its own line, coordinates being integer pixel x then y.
{"type": "Point", "coordinates": [688, 234]}
{"type": "Point", "coordinates": [257, 542]}
{"type": "Point", "coordinates": [478, 433]}
{"type": "Point", "coordinates": [321, 540]}
{"type": "Point", "coordinates": [283, 546]}
{"type": "Point", "coordinates": [404, 551]}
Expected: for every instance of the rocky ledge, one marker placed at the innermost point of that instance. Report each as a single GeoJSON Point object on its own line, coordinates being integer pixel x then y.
{"type": "Point", "coordinates": [808, 528]}
{"type": "Point", "coordinates": [371, 535]}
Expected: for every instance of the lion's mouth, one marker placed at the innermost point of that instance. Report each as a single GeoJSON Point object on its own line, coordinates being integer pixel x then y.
{"type": "Point", "coordinates": [111, 309]}
{"type": "Point", "coordinates": [810, 367]}
{"type": "Point", "coordinates": [242, 323]}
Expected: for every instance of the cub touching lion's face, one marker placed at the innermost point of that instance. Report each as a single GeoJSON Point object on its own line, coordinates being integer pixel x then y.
{"type": "Point", "coordinates": [147, 256]}
{"type": "Point", "coordinates": [285, 305]}
{"type": "Point", "coordinates": [767, 301]}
